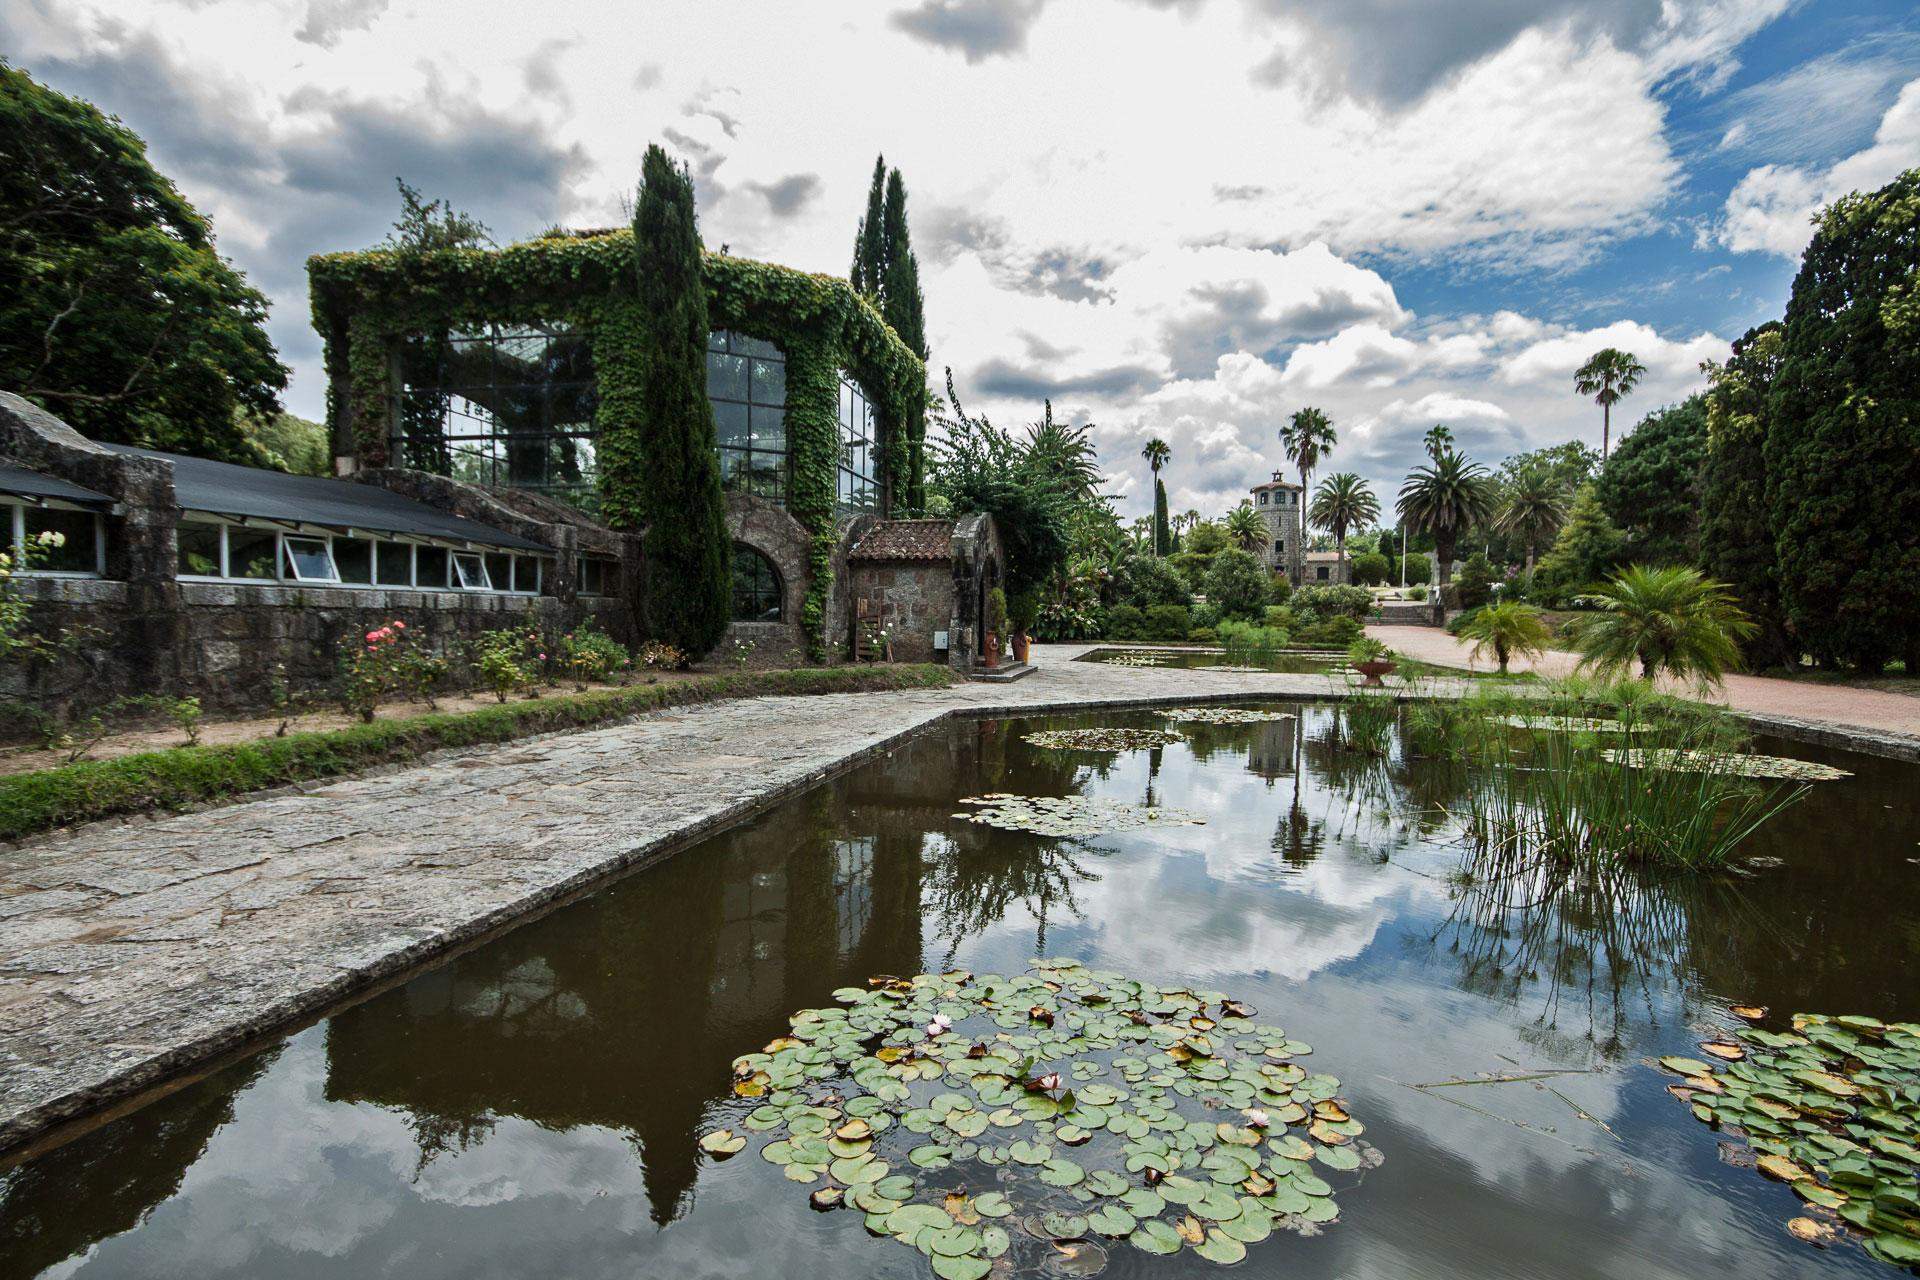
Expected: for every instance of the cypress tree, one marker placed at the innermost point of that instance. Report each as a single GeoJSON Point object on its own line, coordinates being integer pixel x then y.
{"type": "Point", "coordinates": [1162, 541]}
{"type": "Point", "coordinates": [903, 308]}
{"type": "Point", "coordinates": [1843, 435]}
{"type": "Point", "coordinates": [869, 247]}
{"type": "Point", "coordinates": [666, 478]}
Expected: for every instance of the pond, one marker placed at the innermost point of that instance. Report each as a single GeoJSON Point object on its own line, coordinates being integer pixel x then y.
{"type": "Point", "coordinates": [534, 1107]}
{"type": "Point", "coordinates": [1300, 663]}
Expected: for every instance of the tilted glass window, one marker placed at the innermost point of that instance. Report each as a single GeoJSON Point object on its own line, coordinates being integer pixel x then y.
{"type": "Point", "coordinates": [747, 386]}
{"type": "Point", "coordinates": [310, 560]}
{"type": "Point", "coordinates": [502, 405]}
{"type": "Point", "coordinates": [859, 443]}
{"type": "Point", "coordinates": [472, 573]}
{"type": "Point", "coordinates": [756, 587]}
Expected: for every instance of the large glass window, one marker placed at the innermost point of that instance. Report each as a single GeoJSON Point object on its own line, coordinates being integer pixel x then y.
{"type": "Point", "coordinates": [747, 385]}
{"type": "Point", "coordinates": [253, 553]}
{"type": "Point", "coordinates": [858, 445]}
{"type": "Point", "coordinates": [199, 546]}
{"type": "Point", "coordinates": [756, 587]}
{"type": "Point", "coordinates": [64, 541]}
{"type": "Point", "coordinates": [506, 405]}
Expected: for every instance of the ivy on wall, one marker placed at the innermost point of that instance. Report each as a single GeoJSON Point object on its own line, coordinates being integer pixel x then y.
{"type": "Point", "coordinates": [367, 301]}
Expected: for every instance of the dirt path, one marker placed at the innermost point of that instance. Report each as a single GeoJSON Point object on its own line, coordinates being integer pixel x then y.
{"type": "Point", "coordinates": [1753, 695]}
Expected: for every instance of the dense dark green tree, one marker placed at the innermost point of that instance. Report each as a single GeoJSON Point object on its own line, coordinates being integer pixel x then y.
{"type": "Point", "coordinates": [1736, 524]}
{"type": "Point", "coordinates": [1843, 436]}
{"type": "Point", "coordinates": [660, 470]}
{"type": "Point", "coordinates": [116, 311]}
{"type": "Point", "coordinates": [425, 225]}
{"type": "Point", "coordinates": [886, 272]}
{"type": "Point", "coordinates": [1162, 538]}
{"type": "Point", "coordinates": [1588, 547]}
{"type": "Point", "coordinates": [1651, 488]}
{"type": "Point", "coordinates": [1237, 586]}
{"type": "Point", "coordinates": [977, 466]}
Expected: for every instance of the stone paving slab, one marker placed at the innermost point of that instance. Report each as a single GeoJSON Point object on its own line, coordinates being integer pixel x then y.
{"type": "Point", "coordinates": [132, 952]}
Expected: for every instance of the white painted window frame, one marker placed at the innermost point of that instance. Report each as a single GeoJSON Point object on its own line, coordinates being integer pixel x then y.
{"type": "Point", "coordinates": [18, 526]}
{"type": "Point", "coordinates": [283, 562]}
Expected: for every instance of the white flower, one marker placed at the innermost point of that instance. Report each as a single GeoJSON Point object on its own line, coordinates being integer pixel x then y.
{"type": "Point", "coordinates": [48, 538]}
{"type": "Point", "coordinates": [1256, 1117]}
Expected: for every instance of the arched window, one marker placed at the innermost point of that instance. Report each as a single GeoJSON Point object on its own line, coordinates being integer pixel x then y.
{"type": "Point", "coordinates": [756, 587]}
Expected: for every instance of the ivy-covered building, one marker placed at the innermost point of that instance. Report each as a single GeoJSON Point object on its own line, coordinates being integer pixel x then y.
{"type": "Point", "coordinates": [514, 368]}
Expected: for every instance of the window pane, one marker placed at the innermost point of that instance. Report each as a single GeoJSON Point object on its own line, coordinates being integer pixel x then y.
{"type": "Point", "coordinates": [69, 540]}
{"type": "Point", "coordinates": [252, 554]}
{"type": "Point", "coordinates": [396, 564]}
{"type": "Point", "coordinates": [199, 549]}
{"type": "Point", "coordinates": [770, 382]}
{"type": "Point", "coordinates": [756, 587]}
{"type": "Point", "coordinates": [353, 558]}
{"type": "Point", "coordinates": [470, 572]}
{"type": "Point", "coordinates": [309, 561]}
{"type": "Point", "coordinates": [500, 571]}
{"type": "Point", "coordinates": [769, 429]}
{"type": "Point", "coordinates": [730, 424]}
{"type": "Point", "coordinates": [726, 377]}
{"type": "Point", "coordinates": [430, 567]}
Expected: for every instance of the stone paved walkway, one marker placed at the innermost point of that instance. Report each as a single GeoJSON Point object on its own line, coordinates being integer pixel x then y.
{"type": "Point", "coordinates": [129, 953]}
{"type": "Point", "coordinates": [1787, 701]}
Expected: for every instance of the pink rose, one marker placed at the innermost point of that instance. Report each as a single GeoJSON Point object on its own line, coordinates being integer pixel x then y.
{"type": "Point", "coordinates": [372, 636]}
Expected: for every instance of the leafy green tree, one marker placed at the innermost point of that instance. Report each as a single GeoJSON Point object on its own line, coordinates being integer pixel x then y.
{"type": "Point", "coordinates": [427, 225]}
{"type": "Point", "coordinates": [869, 269]}
{"type": "Point", "coordinates": [1444, 498]}
{"type": "Point", "coordinates": [1588, 545]}
{"type": "Point", "coordinates": [1237, 586]}
{"type": "Point", "coordinates": [1066, 453]}
{"type": "Point", "coordinates": [1245, 529]}
{"type": "Point", "coordinates": [1608, 376]}
{"type": "Point", "coordinates": [1344, 502]}
{"type": "Point", "coordinates": [1476, 581]}
{"type": "Point", "coordinates": [1370, 568]}
{"type": "Point", "coordinates": [977, 466]}
{"type": "Point", "coordinates": [1147, 581]}
{"type": "Point", "coordinates": [1209, 536]}
{"type": "Point", "coordinates": [1736, 520]}
{"type": "Point", "coordinates": [1843, 434]}
{"type": "Point", "coordinates": [295, 444]}
{"type": "Point", "coordinates": [1506, 629]}
{"type": "Point", "coordinates": [660, 470]}
{"type": "Point", "coordinates": [1651, 488]}
{"type": "Point", "coordinates": [1672, 620]}
{"type": "Point", "coordinates": [1533, 505]}
{"type": "Point", "coordinates": [116, 312]}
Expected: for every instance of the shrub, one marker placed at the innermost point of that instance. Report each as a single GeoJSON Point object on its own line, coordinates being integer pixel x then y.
{"type": "Point", "coordinates": [1204, 635]}
{"type": "Point", "coordinates": [1417, 591]}
{"type": "Point", "coordinates": [657, 655]}
{"type": "Point", "coordinates": [1315, 603]}
{"type": "Point", "coordinates": [1332, 633]}
{"type": "Point", "coordinates": [1204, 614]}
{"type": "Point", "coordinates": [1237, 585]}
{"type": "Point", "coordinates": [1146, 581]}
{"type": "Point", "coordinates": [1167, 622]}
{"type": "Point", "coordinates": [369, 669]}
{"type": "Point", "coordinates": [1419, 571]}
{"type": "Point", "coordinates": [1475, 585]}
{"type": "Point", "coordinates": [1191, 568]}
{"type": "Point", "coordinates": [1279, 615]}
{"type": "Point", "coordinates": [1279, 590]}
{"type": "Point", "coordinates": [1245, 641]}
{"type": "Point", "coordinates": [1505, 629]}
{"type": "Point", "coordinates": [590, 654]}
{"type": "Point", "coordinates": [1370, 568]}
{"type": "Point", "coordinates": [503, 662]}
{"type": "Point", "coordinates": [1124, 622]}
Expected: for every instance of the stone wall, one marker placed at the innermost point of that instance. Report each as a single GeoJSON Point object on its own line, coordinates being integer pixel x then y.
{"type": "Point", "coordinates": [767, 527]}
{"type": "Point", "coordinates": [913, 599]}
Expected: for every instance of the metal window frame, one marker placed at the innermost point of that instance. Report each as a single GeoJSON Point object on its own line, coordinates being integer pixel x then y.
{"type": "Point", "coordinates": [19, 540]}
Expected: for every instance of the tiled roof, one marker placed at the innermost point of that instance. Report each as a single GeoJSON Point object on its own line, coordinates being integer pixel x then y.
{"type": "Point", "coordinates": [1276, 483]}
{"type": "Point", "coordinates": [906, 540]}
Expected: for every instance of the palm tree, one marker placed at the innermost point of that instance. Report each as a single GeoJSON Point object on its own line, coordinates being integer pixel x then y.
{"type": "Point", "coordinates": [1608, 375]}
{"type": "Point", "coordinates": [1246, 529]}
{"type": "Point", "coordinates": [1343, 503]}
{"type": "Point", "coordinates": [1307, 437]}
{"type": "Point", "coordinates": [1505, 629]}
{"type": "Point", "coordinates": [1158, 454]}
{"type": "Point", "coordinates": [1443, 499]}
{"type": "Point", "coordinates": [1438, 437]}
{"type": "Point", "coordinates": [1674, 620]}
{"type": "Point", "coordinates": [1535, 507]}
{"type": "Point", "coordinates": [1066, 453]}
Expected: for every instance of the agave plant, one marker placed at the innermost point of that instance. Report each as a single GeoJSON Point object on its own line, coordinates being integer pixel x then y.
{"type": "Point", "coordinates": [1674, 621]}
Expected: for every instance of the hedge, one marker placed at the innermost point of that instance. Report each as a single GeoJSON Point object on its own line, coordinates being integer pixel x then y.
{"type": "Point", "coordinates": [180, 777]}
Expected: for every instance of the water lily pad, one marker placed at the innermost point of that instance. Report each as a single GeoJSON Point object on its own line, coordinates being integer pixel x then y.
{"type": "Point", "coordinates": [1224, 715]}
{"type": "Point", "coordinates": [1221, 1248]}
{"type": "Point", "coordinates": [1102, 739]}
{"type": "Point", "coordinates": [1155, 1236]}
{"type": "Point", "coordinates": [1066, 816]}
{"type": "Point", "coordinates": [722, 1143]}
{"type": "Point", "coordinates": [1064, 1226]}
{"type": "Point", "coordinates": [991, 1204]}
{"type": "Point", "coordinates": [1738, 764]}
{"type": "Point", "coordinates": [1061, 1173]}
{"type": "Point", "coordinates": [965, 1267]}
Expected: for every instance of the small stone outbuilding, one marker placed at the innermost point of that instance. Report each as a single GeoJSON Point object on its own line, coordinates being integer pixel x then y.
{"type": "Point", "coordinates": [925, 584]}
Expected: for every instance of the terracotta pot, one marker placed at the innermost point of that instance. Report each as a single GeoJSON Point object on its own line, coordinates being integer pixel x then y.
{"type": "Point", "coordinates": [1022, 646]}
{"type": "Point", "coordinates": [1373, 671]}
{"type": "Point", "coordinates": [990, 651]}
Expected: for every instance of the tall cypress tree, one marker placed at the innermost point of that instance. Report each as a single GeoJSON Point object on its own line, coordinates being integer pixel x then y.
{"type": "Point", "coordinates": [1162, 540]}
{"type": "Point", "coordinates": [675, 490]}
{"type": "Point", "coordinates": [869, 243]}
{"type": "Point", "coordinates": [900, 301]}
{"type": "Point", "coordinates": [1736, 519]}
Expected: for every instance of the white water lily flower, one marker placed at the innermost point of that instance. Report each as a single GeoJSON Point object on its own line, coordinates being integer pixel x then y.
{"type": "Point", "coordinates": [1257, 1118]}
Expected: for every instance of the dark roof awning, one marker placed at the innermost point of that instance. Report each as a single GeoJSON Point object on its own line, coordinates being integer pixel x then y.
{"type": "Point", "coordinates": [227, 489]}
{"type": "Point", "coordinates": [18, 482]}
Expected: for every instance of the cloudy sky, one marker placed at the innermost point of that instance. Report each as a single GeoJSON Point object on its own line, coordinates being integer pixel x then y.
{"type": "Point", "coordinates": [1183, 218]}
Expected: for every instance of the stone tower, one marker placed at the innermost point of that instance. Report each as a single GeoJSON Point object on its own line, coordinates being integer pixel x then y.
{"type": "Point", "coordinates": [1277, 503]}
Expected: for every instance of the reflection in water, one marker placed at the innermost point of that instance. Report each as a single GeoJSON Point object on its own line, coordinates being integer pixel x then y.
{"type": "Point", "coordinates": [532, 1107]}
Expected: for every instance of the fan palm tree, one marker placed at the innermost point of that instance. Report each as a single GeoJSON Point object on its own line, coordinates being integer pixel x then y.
{"type": "Point", "coordinates": [1158, 454]}
{"type": "Point", "coordinates": [1307, 437]}
{"type": "Point", "coordinates": [1534, 509]}
{"type": "Point", "coordinates": [1439, 436]}
{"type": "Point", "coordinates": [1443, 499]}
{"type": "Point", "coordinates": [1674, 620]}
{"type": "Point", "coordinates": [1344, 502]}
{"type": "Point", "coordinates": [1505, 629]}
{"type": "Point", "coordinates": [1608, 375]}
{"type": "Point", "coordinates": [1246, 529]}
